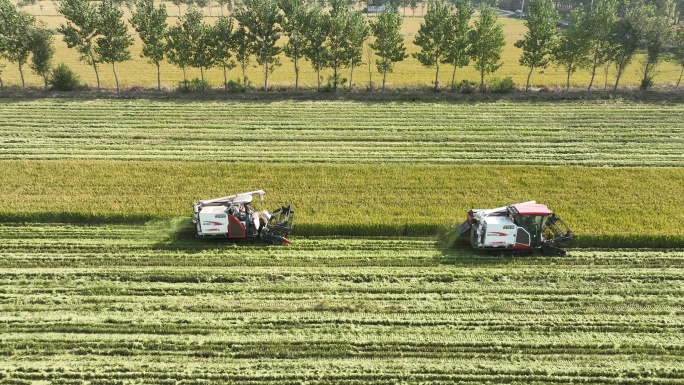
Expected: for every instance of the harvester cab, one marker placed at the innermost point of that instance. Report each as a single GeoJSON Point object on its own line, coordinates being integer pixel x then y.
{"type": "Point", "coordinates": [519, 228]}
{"type": "Point", "coordinates": [232, 217]}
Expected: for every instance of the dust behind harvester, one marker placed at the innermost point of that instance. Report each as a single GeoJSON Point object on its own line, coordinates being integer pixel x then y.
{"type": "Point", "coordinates": [233, 217]}
{"type": "Point", "coordinates": [519, 228]}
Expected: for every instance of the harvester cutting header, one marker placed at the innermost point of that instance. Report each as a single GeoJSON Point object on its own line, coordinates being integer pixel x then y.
{"type": "Point", "coordinates": [519, 228]}
{"type": "Point", "coordinates": [232, 217]}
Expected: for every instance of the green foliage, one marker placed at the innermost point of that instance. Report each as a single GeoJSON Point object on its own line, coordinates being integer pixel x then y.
{"type": "Point", "coordinates": [261, 20]}
{"type": "Point", "coordinates": [194, 85]}
{"type": "Point", "coordinates": [652, 21]}
{"type": "Point", "coordinates": [434, 36]}
{"type": "Point", "coordinates": [389, 43]}
{"type": "Point", "coordinates": [678, 49]}
{"type": "Point", "coordinates": [540, 38]}
{"type": "Point", "coordinates": [574, 45]}
{"type": "Point", "coordinates": [357, 33]}
{"type": "Point", "coordinates": [486, 43]}
{"type": "Point", "coordinates": [42, 51]}
{"type": "Point", "coordinates": [187, 42]}
{"type": "Point", "coordinates": [16, 35]}
{"type": "Point", "coordinates": [623, 42]}
{"type": "Point", "coordinates": [600, 22]}
{"type": "Point", "coordinates": [113, 43]}
{"type": "Point", "coordinates": [294, 22]}
{"type": "Point", "coordinates": [337, 42]}
{"type": "Point", "coordinates": [80, 31]}
{"type": "Point", "coordinates": [63, 78]}
{"type": "Point", "coordinates": [315, 35]}
{"type": "Point", "coordinates": [243, 51]}
{"type": "Point", "coordinates": [502, 86]}
{"type": "Point", "coordinates": [457, 54]}
{"type": "Point", "coordinates": [223, 44]}
{"type": "Point", "coordinates": [466, 86]}
{"type": "Point", "coordinates": [150, 24]}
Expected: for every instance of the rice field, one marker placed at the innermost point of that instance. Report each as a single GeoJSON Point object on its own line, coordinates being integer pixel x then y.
{"type": "Point", "coordinates": [112, 304]}
{"type": "Point", "coordinates": [612, 133]}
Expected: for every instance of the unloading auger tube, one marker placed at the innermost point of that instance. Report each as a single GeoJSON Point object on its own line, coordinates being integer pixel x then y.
{"type": "Point", "coordinates": [520, 228]}
{"type": "Point", "coordinates": [232, 217]}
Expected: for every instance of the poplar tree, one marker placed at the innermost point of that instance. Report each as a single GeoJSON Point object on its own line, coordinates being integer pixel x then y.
{"type": "Point", "coordinates": [457, 41]}
{"type": "Point", "coordinates": [261, 20]}
{"type": "Point", "coordinates": [222, 36]}
{"type": "Point", "coordinates": [573, 49]}
{"type": "Point", "coordinates": [42, 51]}
{"type": "Point", "coordinates": [314, 35]}
{"type": "Point", "coordinates": [389, 43]}
{"type": "Point", "coordinates": [486, 43]}
{"type": "Point", "coordinates": [678, 54]}
{"type": "Point", "coordinates": [80, 30]}
{"type": "Point", "coordinates": [540, 37]}
{"type": "Point", "coordinates": [182, 39]}
{"type": "Point", "coordinates": [433, 36]}
{"type": "Point", "coordinates": [150, 24]}
{"type": "Point", "coordinates": [243, 51]}
{"type": "Point", "coordinates": [357, 33]}
{"type": "Point", "coordinates": [295, 14]}
{"type": "Point", "coordinates": [600, 22]}
{"type": "Point", "coordinates": [16, 37]}
{"type": "Point", "coordinates": [113, 43]}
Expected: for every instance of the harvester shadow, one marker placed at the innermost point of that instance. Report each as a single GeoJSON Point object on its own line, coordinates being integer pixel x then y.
{"type": "Point", "coordinates": [179, 234]}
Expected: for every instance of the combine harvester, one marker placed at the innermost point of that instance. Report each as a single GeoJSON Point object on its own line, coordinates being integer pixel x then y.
{"type": "Point", "coordinates": [518, 229]}
{"type": "Point", "coordinates": [232, 217]}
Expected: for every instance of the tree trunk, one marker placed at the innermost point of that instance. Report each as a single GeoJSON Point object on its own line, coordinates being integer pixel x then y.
{"type": "Point", "coordinates": [21, 73]}
{"type": "Point", "coordinates": [2, 85]}
{"type": "Point", "coordinates": [116, 78]}
{"type": "Point", "coordinates": [266, 77]}
{"type": "Point", "coordinates": [527, 85]}
{"type": "Point", "coordinates": [225, 79]}
{"type": "Point", "coordinates": [45, 80]}
{"type": "Point", "coordinates": [437, 76]}
{"type": "Point", "coordinates": [209, 7]}
{"type": "Point", "coordinates": [453, 78]}
{"type": "Point", "coordinates": [370, 73]}
{"type": "Point", "coordinates": [567, 81]}
{"type": "Point", "coordinates": [179, 10]}
{"type": "Point", "coordinates": [593, 69]}
{"type": "Point", "coordinates": [296, 65]}
{"type": "Point", "coordinates": [482, 87]}
{"type": "Point", "coordinates": [202, 76]}
{"type": "Point", "coordinates": [158, 77]}
{"type": "Point", "coordinates": [645, 72]}
{"type": "Point", "coordinates": [97, 75]}
{"type": "Point", "coordinates": [318, 75]}
{"type": "Point", "coordinates": [351, 76]}
{"type": "Point", "coordinates": [185, 79]}
{"type": "Point", "coordinates": [244, 75]}
{"type": "Point", "coordinates": [335, 78]}
{"type": "Point", "coordinates": [677, 86]}
{"type": "Point", "coordinates": [384, 76]}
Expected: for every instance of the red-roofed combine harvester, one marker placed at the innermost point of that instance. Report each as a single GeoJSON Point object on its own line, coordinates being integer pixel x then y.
{"type": "Point", "coordinates": [519, 228]}
{"type": "Point", "coordinates": [232, 217]}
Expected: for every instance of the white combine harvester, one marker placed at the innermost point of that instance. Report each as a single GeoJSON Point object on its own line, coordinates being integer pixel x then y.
{"type": "Point", "coordinates": [520, 228]}
{"type": "Point", "coordinates": [232, 217]}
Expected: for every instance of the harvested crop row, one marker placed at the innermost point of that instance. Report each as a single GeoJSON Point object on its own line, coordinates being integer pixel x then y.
{"type": "Point", "coordinates": [160, 305]}
{"type": "Point", "coordinates": [573, 133]}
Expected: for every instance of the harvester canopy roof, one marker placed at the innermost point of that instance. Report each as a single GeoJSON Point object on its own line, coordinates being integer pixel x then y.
{"type": "Point", "coordinates": [532, 209]}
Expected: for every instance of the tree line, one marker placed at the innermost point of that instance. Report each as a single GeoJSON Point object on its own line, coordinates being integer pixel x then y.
{"type": "Point", "coordinates": [602, 35]}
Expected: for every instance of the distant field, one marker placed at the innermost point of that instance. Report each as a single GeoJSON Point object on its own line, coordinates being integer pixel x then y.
{"type": "Point", "coordinates": [118, 304]}
{"type": "Point", "coordinates": [592, 133]}
{"type": "Point", "coordinates": [409, 73]}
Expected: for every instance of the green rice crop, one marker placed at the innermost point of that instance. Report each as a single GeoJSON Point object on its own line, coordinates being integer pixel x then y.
{"type": "Point", "coordinates": [626, 206]}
